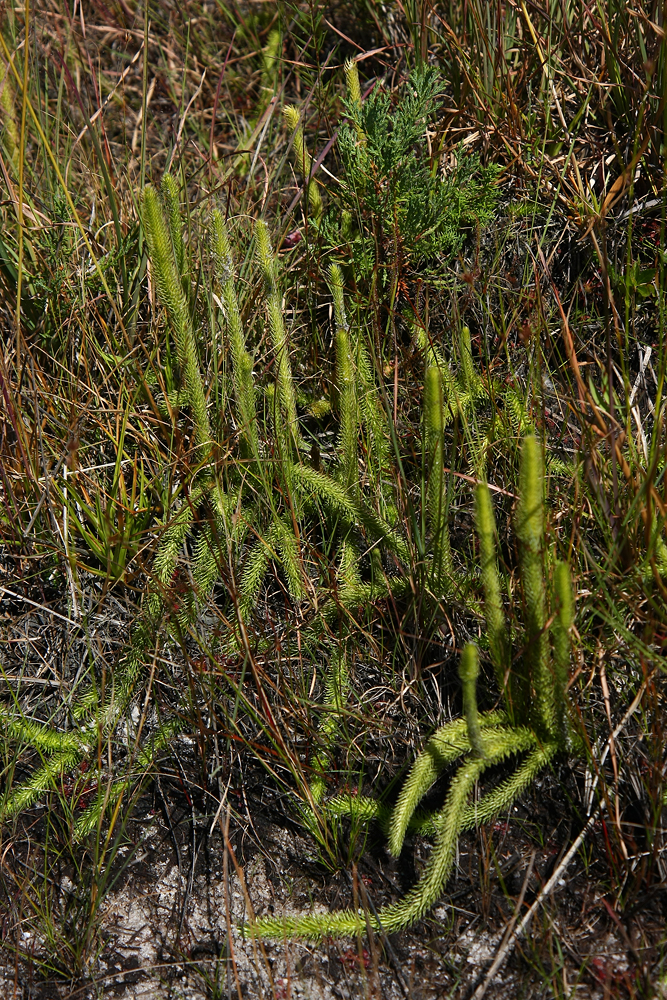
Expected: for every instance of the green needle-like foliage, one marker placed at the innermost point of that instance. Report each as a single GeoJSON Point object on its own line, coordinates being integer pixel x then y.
{"type": "Point", "coordinates": [530, 533]}
{"type": "Point", "coordinates": [304, 160]}
{"type": "Point", "coordinates": [170, 290]}
{"type": "Point", "coordinates": [244, 389]}
{"type": "Point", "coordinates": [469, 672]}
{"type": "Point", "coordinates": [483, 741]}
{"type": "Point", "coordinates": [493, 606]}
{"type": "Point", "coordinates": [437, 501]}
{"type": "Point", "coordinates": [389, 199]}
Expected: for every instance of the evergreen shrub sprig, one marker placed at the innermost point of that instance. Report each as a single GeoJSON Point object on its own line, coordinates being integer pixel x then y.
{"type": "Point", "coordinates": [391, 193]}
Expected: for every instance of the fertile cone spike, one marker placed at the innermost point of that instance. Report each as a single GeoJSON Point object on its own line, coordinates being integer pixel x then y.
{"type": "Point", "coordinates": [468, 672]}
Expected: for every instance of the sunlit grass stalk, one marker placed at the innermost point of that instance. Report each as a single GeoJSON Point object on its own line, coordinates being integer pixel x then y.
{"type": "Point", "coordinates": [10, 130]}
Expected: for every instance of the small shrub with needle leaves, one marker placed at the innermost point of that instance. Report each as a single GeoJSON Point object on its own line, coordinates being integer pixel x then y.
{"type": "Point", "coordinates": [393, 204]}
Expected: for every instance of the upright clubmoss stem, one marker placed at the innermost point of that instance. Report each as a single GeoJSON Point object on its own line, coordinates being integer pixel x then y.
{"type": "Point", "coordinates": [563, 622]}
{"type": "Point", "coordinates": [304, 161]}
{"type": "Point", "coordinates": [493, 606]}
{"type": "Point", "coordinates": [286, 392]}
{"type": "Point", "coordinates": [172, 200]}
{"type": "Point", "coordinates": [346, 384]}
{"type": "Point", "coordinates": [434, 425]}
{"type": "Point", "coordinates": [530, 532]}
{"type": "Point", "coordinates": [244, 389]}
{"type": "Point", "coordinates": [354, 97]}
{"type": "Point", "coordinates": [468, 672]}
{"type": "Point", "coordinates": [172, 296]}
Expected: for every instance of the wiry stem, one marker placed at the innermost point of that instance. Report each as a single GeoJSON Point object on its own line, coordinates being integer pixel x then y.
{"type": "Point", "coordinates": [469, 377]}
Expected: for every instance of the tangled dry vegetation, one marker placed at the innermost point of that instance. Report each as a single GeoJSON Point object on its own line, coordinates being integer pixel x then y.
{"type": "Point", "coordinates": [333, 565]}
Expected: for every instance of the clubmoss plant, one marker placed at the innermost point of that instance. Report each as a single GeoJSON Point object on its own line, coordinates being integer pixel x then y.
{"type": "Point", "coordinates": [99, 717]}
{"type": "Point", "coordinates": [244, 388]}
{"type": "Point", "coordinates": [304, 160]}
{"type": "Point", "coordinates": [496, 629]}
{"type": "Point", "coordinates": [469, 672]}
{"type": "Point", "coordinates": [169, 280]}
{"type": "Point", "coordinates": [272, 488]}
{"type": "Point", "coordinates": [436, 503]}
{"type": "Point", "coordinates": [467, 397]}
{"type": "Point", "coordinates": [532, 738]}
{"type": "Point", "coordinates": [267, 508]}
